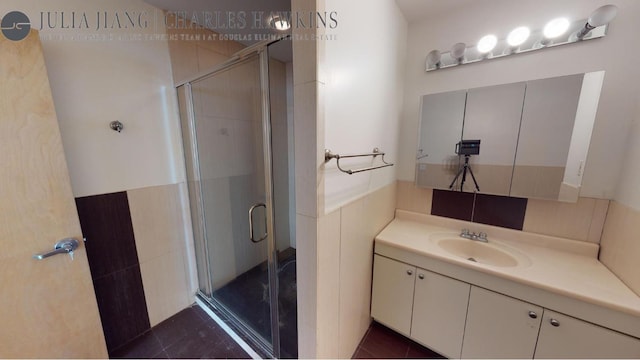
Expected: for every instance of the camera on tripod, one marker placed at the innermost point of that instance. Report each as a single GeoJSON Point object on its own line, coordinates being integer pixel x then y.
{"type": "Point", "coordinates": [468, 147]}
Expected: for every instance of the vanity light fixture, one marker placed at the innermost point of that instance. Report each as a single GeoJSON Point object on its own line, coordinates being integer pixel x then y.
{"type": "Point", "coordinates": [486, 44]}
{"type": "Point", "coordinates": [599, 17]}
{"type": "Point", "coordinates": [518, 36]}
{"type": "Point", "coordinates": [433, 58]}
{"type": "Point", "coordinates": [556, 28]}
{"type": "Point", "coordinates": [559, 31]}
{"type": "Point", "coordinates": [457, 52]}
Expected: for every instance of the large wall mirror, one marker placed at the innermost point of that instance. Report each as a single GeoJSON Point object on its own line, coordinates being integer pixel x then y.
{"type": "Point", "coordinates": [526, 139]}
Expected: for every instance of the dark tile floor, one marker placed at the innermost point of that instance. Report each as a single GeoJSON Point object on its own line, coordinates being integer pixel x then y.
{"type": "Point", "coordinates": [382, 343]}
{"type": "Point", "coordinates": [193, 334]}
{"type": "Point", "coordinates": [248, 297]}
{"type": "Point", "coordinates": [190, 333]}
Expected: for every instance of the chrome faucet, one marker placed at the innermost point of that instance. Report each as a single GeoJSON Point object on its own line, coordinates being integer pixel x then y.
{"type": "Point", "coordinates": [482, 237]}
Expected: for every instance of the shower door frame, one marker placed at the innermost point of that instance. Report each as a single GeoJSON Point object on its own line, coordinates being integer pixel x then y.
{"type": "Point", "coordinates": [261, 49]}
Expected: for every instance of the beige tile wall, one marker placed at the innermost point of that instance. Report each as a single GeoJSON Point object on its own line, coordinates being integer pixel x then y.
{"type": "Point", "coordinates": [582, 220]}
{"type": "Point", "coordinates": [620, 245]}
{"type": "Point", "coordinates": [196, 49]}
{"type": "Point", "coordinates": [346, 256]}
{"type": "Point", "coordinates": [328, 315]}
{"type": "Point", "coordinates": [162, 242]}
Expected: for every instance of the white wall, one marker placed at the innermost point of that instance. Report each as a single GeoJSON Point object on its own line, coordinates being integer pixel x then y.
{"type": "Point", "coordinates": [628, 189]}
{"type": "Point", "coordinates": [95, 82]}
{"type": "Point", "coordinates": [363, 71]}
{"type": "Point", "coordinates": [359, 107]}
{"type": "Point", "coordinates": [614, 54]}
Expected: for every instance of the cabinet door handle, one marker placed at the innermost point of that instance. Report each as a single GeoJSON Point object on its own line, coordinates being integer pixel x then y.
{"type": "Point", "coordinates": [420, 276]}
{"type": "Point", "coordinates": [533, 315]}
{"type": "Point", "coordinates": [554, 322]}
{"type": "Point", "coordinates": [409, 272]}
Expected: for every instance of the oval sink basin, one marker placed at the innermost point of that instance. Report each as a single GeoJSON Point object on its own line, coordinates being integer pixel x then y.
{"type": "Point", "coordinates": [475, 251]}
{"type": "Point", "coordinates": [482, 253]}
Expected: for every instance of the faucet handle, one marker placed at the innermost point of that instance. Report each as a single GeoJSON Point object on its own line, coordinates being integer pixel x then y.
{"type": "Point", "coordinates": [482, 235]}
{"type": "Point", "coordinates": [465, 232]}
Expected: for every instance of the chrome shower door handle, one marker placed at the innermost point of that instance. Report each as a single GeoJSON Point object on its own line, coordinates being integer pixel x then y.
{"type": "Point", "coordinates": [64, 246]}
{"type": "Point", "coordinates": [251, 223]}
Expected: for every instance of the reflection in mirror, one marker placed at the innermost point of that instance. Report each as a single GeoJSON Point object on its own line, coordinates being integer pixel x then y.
{"type": "Point", "coordinates": [548, 117]}
{"type": "Point", "coordinates": [441, 130]}
{"type": "Point", "coordinates": [493, 116]}
{"type": "Point", "coordinates": [534, 137]}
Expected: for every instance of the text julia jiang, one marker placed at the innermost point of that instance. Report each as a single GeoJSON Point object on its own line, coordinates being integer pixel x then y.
{"type": "Point", "coordinates": [96, 21]}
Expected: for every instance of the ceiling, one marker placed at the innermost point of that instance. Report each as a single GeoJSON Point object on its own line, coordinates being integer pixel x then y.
{"type": "Point", "coordinates": [419, 10]}
{"type": "Point", "coordinates": [223, 7]}
{"type": "Point", "coordinates": [413, 10]}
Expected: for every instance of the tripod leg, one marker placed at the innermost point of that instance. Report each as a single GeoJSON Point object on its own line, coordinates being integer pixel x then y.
{"type": "Point", "coordinates": [464, 177]}
{"type": "Point", "coordinates": [455, 178]}
{"type": "Point", "coordinates": [474, 179]}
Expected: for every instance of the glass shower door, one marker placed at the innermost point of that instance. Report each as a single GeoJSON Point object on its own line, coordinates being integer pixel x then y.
{"type": "Point", "coordinates": [232, 141]}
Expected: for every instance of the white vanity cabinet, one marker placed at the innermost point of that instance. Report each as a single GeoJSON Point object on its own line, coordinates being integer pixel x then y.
{"type": "Point", "coordinates": [439, 312]}
{"type": "Point", "coordinates": [499, 326]}
{"type": "Point", "coordinates": [562, 336]}
{"type": "Point", "coordinates": [392, 293]}
{"type": "Point", "coordinates": [420, 304]}
{"type": "Point", "coordinates": [460, 320]}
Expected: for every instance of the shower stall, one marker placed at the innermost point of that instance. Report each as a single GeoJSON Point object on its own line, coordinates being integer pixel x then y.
{"type": "Point", "coordinates": [237, 135]}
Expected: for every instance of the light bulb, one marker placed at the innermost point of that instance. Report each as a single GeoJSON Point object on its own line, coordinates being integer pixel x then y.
{"type": "Point", "coordinates": [487, 43]}
{"type": "Point", "coordinates": [280, 23]}
{"type": "Point", "coordinates": [602, 15]}
{"type": "Point", "coordinates": [555, 28]}
{"type": "Point", "coordinates": [433, 58]}
{"type": "Point", "coordinates": [518, 36]}
{"type": "Point", "coordinates": [457, 51]}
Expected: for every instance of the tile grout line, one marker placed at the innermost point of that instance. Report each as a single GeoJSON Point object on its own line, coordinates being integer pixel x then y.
{"type": "Point", "coordinates": [229, 331]}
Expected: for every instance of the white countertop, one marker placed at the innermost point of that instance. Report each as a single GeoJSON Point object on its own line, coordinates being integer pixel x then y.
{"type": "Point", "coordinates": [561, 266]}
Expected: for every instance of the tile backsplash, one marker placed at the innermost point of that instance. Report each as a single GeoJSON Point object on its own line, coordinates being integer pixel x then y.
{"type": "Point", "coordinates": [508, 212]}
{"type": "Point", "coordinates": [583, 220]}
{"type": "Point", "coordinates": [452, 204]}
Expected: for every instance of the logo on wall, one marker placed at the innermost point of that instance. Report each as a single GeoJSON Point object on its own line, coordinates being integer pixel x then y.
{"type": "Point", "coordinates": [15, 26]}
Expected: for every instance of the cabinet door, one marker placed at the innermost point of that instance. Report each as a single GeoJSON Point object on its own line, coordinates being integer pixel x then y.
{"type": "Point", "coordinates": [493, 117]}
{"type": "Point", "coordinates": [439, 312]}
{"type": "Point", "coordinates": [440, 131]}
{"type": "Point", "coordinates": [548, 118]}
{"type": "Point", "coordinates": [392, 295]}
{"type": "Point", "coordinates": [562, 336]}
{"type": "Point", "coordinates": [499, 326]}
